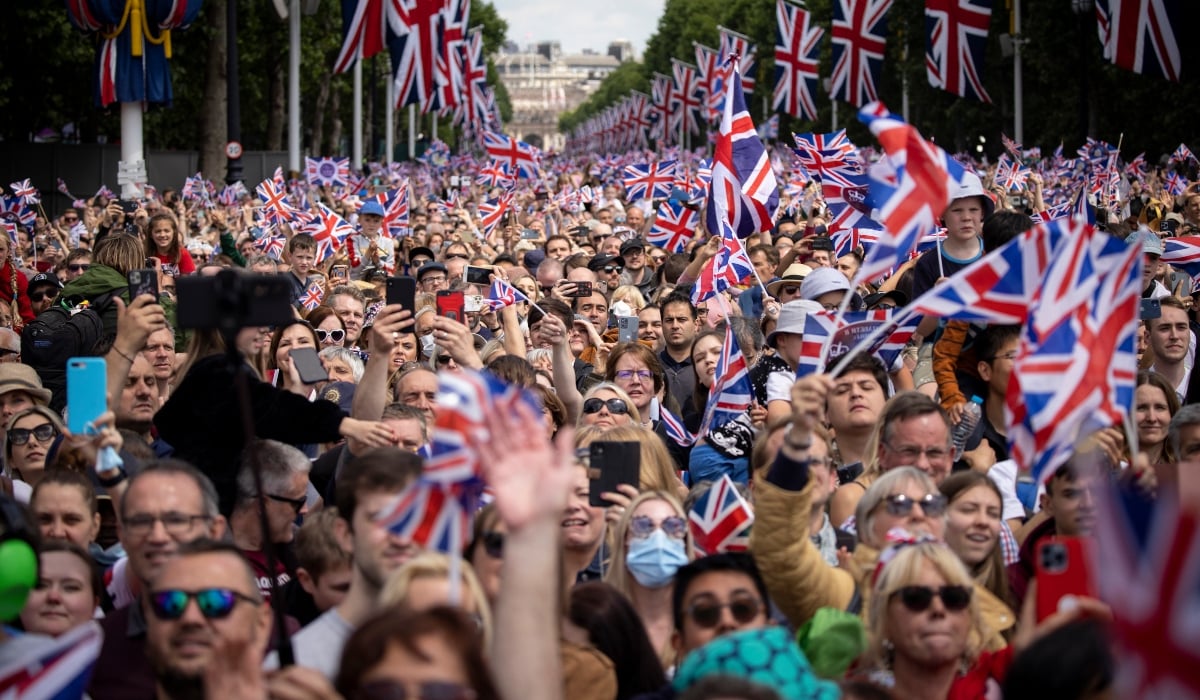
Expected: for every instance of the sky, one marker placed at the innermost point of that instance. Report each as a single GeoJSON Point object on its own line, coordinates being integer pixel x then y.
{"type": "Point", "coordinates": [581, 25]}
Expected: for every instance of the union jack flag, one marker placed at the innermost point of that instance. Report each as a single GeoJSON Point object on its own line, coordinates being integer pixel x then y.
{"type": "Point", "coordinates": [1175, 183]}
{"type": "Point", "coordinates": [726, 269]}
{"type": "Point", "coordinates": [675, 428]}
{"type": "Point", "coordinates": [503, 294]}
{"type": "Point", "coordinates": [433, 514]}
{"type": "Point", "coordinates": [519, 156]}
{"type": "Point", "coordinates": [1082, 208]}
{"type": "Point", "coordinates": [797, 60]}
{"type": "Point", "coordinates": [708, 66]}
{"type": "Point", "coordinates": [836, 163]}
{"type": "Point", "coordinates": [495, 174]}
{"type": "Point", "coordinates": [364, 33]}
{"type": "Point", "coordinates": [735, 44]}
{"type": "Point", "coordinates": [731, 393]}
{"type": "Point", "coordinates": [275, 208]}
{"type": "Point", "coordinates": [674, 225]}
{"type": "Point", "coordinates": [314, 294]}
{"type": "Point", "coordinates": [743, 191]}
{"type": "Point", "coordinates": [61, 186]}
{"type": "Point", "coordinates": [720, 519]}
{"type": "Point", "coordinates": [327, 228]}
{"type": "Point", "coordinates": [1140, 35]}
{"type": "Point", "coordinates": [649, 180]}
{"type": "Point", "coordinates": [1136, 168]}
{"type": "Point", "coordinates": [14, 209]}
{"type": "Point", "coordinates": [910, 209]}
{"type": "Point", "coordinates": [415, 43]}
{"type": "Point", "coordinates": [1145, 563]}
{"type": "Point", "coordinates": [1076, 365]}
{"type": "Point", "coordinates": [859, 40]}
{"type": "Point", "coordinates": [491, 211]}
{"type": "Point", "coordinates": [105, 193]}
{"type": "Point", "coordinates": [271, 245]}
{"type": "Point", "coordinates": [11, 230]}
{"type": "Point", "coordinates": [230, 194]}
{"type": "Point", "coordinates": [450, 78]}
{"type": "Point", "coordinates": [1183, 252]}
{"type": "Point", "coordinates": [26, 191]}
{"type": "Point", "coordinates": [850, 239]}
{"type": "Point", "coordinates": [955, 41]}
{"type": "Point", "coordinates": [685, 97]}
{"type": "Point", "coordinates": [1010, 174]}
{"type": "Point", "coordinates": [395, 211]}
{"type": "Point", "coordinates": [193, 188]}
{"type": "Point", "coordinates": [827, 337]}
{"type": "Point", "coordinates": [59, 671]}
{"type": "Point", "coordinates": [769, 130]}
{"type": "Point", "coordinates": [327, 171]}
{"type": "Point", "coordinates": [1183, 154]}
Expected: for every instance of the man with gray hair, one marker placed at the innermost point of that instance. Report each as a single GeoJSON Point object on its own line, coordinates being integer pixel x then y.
{"type": "Point", "coordinates": [1183, 435]}
{"type": "Point", "coordinates": [284, 498]}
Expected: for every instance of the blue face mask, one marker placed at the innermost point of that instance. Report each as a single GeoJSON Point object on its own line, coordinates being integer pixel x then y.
{"type": "Point", "coordinates": [654, 560]}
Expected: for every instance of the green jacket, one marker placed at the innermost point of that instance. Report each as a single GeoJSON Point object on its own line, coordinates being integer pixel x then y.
{"type": "Point", "coordinates": [99, 280]}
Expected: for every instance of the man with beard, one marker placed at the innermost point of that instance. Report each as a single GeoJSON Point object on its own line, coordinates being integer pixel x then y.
{"type": "Point", "coordinates": [365, 487]}
{"type": "Point", "coordinates": [203, 599]}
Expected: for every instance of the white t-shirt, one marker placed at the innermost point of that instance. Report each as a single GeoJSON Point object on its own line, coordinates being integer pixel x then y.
{"type": "Point", "coordinates": [1004, 475]}
{"type": "Point", "coordinates": [319, 645]}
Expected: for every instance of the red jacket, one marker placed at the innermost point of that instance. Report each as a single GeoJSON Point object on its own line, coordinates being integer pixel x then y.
{"type": "Point", "coordinates": [26, 311]}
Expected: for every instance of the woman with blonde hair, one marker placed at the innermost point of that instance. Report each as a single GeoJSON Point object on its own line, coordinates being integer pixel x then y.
{"type": "Point", "coordinates": [631, 296]}
{"type": "Point", "coordinates": [423, 582]}
{"type": "Point", "coordinates": [606, 405]}
{"type": "Point", "coordinates": [657, 469]}
{"type": "Point", "coordinates": [650, 543]}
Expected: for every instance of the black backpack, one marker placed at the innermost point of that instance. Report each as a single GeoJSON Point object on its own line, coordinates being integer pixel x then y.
{"type": "Point", "coordinates": [58, 334]}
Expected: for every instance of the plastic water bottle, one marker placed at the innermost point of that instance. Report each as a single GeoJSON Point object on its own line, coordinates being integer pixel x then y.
{"type": "Point", "coordinates": [971, 414]}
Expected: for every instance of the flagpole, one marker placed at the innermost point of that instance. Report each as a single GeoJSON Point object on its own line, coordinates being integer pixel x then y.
{"type": "Point", "coordinates": [412, 132]}
{"type": "Point", "coordinates": [294, 87]}
{"type": "Point", "coordinates": [389, 129]}
{"type": "Point", "coordinates": [356, 142]}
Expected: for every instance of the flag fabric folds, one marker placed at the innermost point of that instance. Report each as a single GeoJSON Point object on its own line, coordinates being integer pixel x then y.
{"type": "Point", "coordinates": [955, 42]}
{"type": "Point", "coordinates": [797, 60]}
{"type": "Point", "coordinates": [720, 519]}
{"type": "Point", "coordinates": [859, 37]}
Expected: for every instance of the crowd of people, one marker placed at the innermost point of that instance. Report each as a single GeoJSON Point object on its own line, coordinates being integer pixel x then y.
{"type": "Point", "coordinates": [886, 559]}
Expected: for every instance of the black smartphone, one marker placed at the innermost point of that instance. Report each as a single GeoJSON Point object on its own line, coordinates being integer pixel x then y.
{"type": "Point", "coordinates": [1168, 226]}
{"type": "Point", "coordinates": [129, 206]}
{"type": "Point", "coordinates": [1151, 308]}
{"type": "Point", "coordinates": [582, 290]}
{"type": "Point", "coordinates": [611, 464]}
{"type": "Point", "coordinates": [402, 291]}
{"type": "Point", "coordinates": [144, 281]}
{"type": "Point", "coordinates": [478, 275]}
{"type": "Point", "coordinates": [308, 365]}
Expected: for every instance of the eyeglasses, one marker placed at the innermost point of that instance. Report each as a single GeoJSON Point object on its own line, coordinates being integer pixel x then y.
{"type": "Point", "coordinates": [919, 598]}
{"type": "Point", "coordinates": [885, 306]}
{"type": "Point", "coordinates": [642, 526]}
{"type": "Point", "coordinates": [44, 433]}
{"type": "Point", "coordinates": [433, 279]}
{"type": "Point", "coordinates": [78, 267]}
{"type": "Point", "coordinates": [38, 296]}
{"type": "Point", "coordinates": [627, 374]}
{"type": "Point", "coordinates": [460, 256]}
{"type": "Point", "coordinates": [609, 269]}
{"type": "Point", "coordinates": [707, 613]}
{"type": "Point", "coordinates": [429, 690]}
{"type": "Point", "coordinates": [71, 220]}
{"type": "Point", "coordinates": [336, 335]}
{"type": "Point", "coordinates": [297, 504]}
{"type": "Point", "coordinates": [789, 290]}
{"type": "Point", "coordinates": [912, 454]}
{"type": "Point", "coordinates": [615, 406]}
{"type": "Point", "coordinates": [444, 359]}
{"type": "Point", "coordinates": [493, 544]}
{"type": "Point", "coordinates": [176, 524]}
{"type": "Point", "coordinates": [214, 603]}
{"type": "Point", "coordinates": [901, 506]}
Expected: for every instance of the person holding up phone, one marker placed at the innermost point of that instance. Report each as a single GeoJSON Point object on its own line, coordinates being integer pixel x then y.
{"type": "Point", "coordinates": [298, 334]}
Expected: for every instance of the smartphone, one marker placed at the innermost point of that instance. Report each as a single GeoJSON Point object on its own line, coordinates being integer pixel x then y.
{"type": "Point", "coordinates": [582, 290]}
{"type": "Point", "coordinates": [87, 392]}
{"type": "Point", "coordinates": [1062, 570]}
{"type": "Point", "coordinates": [478, 275]}
{"type": "Point", "coordinates": [144, 281]}
{"type": "Point", "coordinates": [1168, 226]}
{"type": "Point", "coordinates": [308, 365]}
{"type": "Point", "coordinates": [259, 300]}
{"type": "Point", "coordinates": [528, 234]}
{"type": "Point", "coordinates": [151, 262]}
{"type": "Point", "coordinates": [454, 181]}
{"type": "Point", "coordinates": [339, 272]}
{"type": "Point", "coordinates": [627, 329]}
{"type": "Point", "coordinates": [473, 303]}
{"type": "Point", "coordinates": [402, 291]}
{"type": "Point", "coordinates": [450, 304]}
{"type": "Point", "coordinates": [129, 206]}
{"type": "Point", "coordinates": [611, 464]}
{"type": "Point", "coordinates": [1151, 308]}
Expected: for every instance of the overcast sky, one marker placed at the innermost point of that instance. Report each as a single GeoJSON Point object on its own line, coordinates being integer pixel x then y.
{"type": "Point", "coordinates": [581, 25]}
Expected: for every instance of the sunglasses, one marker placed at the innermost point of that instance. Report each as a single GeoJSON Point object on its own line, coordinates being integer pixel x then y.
{"type": "Point", "coordinates": [38, 296]}
{"type": "Point", "coordinates": [615, 406]}
{"type": "Point", "coordinates": [901, 506]}
{"type": "Point", "coordinates": [609, 269]}
{"type": "Point", "coordinates": [493, 544]}
{"type": "Point", "coordinates": [297, 504]}
{"type": "Point", "coordinates": [460, 256]}
{"type": "Point", "coordinates": [214, 603]}
{"type": "Point", "coordinates": [429, 690]}
{"type": "Point", "coordinates": [707, 614]}
{"type": "Point", "coordinates": [78, 267]}
{"type": "Point", "coordinates": [336, 335]}
{"type": "Point", "coordinates": [789, 290]}
{"type": "Point", "coordinates": [919, 598]}
{"type": "Point", "coordinates": [642, 526]}
{"type": "Point", "coordinates": [44, 433]}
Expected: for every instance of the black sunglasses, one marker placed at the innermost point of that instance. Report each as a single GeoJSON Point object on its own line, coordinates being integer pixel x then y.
{"type": "Point", "coordinates": [297, 504]}
{"type": "Point", "coordinates": [38, 296]}
{"type": "Point", "coordinates": [44, 433]}
{"type": "Point", "coordinates": [609, 269]}
{"type": "Point", "coordinates": [337, 335]}
{"type": "Point", "coordinates": [78, 267]}
{"type": "Point", "coordinates": [493, 544]}
{"type": "Point", "coordinates": [460, 256]}
{"type": "Point", "coordinates": [919, 598]}
{"type": "Point", "coordinates": [615, 406]}
{"type": "Point", "coordinates": [707, 614]}
{"type": "Point", "coordinates": [429, 690]}
{"type": "Point", "coordinates": [214, 603]}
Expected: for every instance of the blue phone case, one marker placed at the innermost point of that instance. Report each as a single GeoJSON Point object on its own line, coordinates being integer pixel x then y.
{"type": "Point", "coordinates": [87, 389]}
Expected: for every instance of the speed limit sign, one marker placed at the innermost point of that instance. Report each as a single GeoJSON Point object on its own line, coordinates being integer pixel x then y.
{"type": "Point", "coordinates": [233, 149]}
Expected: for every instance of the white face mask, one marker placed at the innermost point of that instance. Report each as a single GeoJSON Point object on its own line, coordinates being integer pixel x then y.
{"type": "Point", "coordinates": [427, 344]}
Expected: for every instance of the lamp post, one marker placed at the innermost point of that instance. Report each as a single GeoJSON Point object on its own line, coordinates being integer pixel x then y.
{"type": "Point", "coordinates": [233, 118]}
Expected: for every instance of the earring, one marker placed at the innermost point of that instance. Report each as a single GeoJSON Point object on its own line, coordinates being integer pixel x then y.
{"type": "Point", "coordinates": [889, 653]}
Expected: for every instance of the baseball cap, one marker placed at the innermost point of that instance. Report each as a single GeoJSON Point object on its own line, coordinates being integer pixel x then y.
{"type": "Point", "coordinates": [372, 206]}
{"type": "Point", "coordinates": [1147, 239]}
{"type": "Point", "coordinates": [44, 278]}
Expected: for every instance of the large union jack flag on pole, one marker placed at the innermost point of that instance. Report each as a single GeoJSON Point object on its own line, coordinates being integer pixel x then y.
{"type": "Point", "coordinates": [743, 190]}
{"type": "Point", "coordinates": [797, 59]}
{"type": "Point", "coordinates": [674, 226]}
{"type": "Point", "coordinates": [1183, 252]}
{"type": "Point", "coordinates": [365, 31]}
{"type": "Point", "coordinates": [859, 39]}
{"type": "Point", "coordinates": [517, 155]}
{"type": "Point", "coordinates": [955, 40]}
{"type": "Point", "coordinates": [1141, 35]}
{"type": "Point", "coordinates": [415, 43]}
{"type": "Point", "coordinates": [735, 44]}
